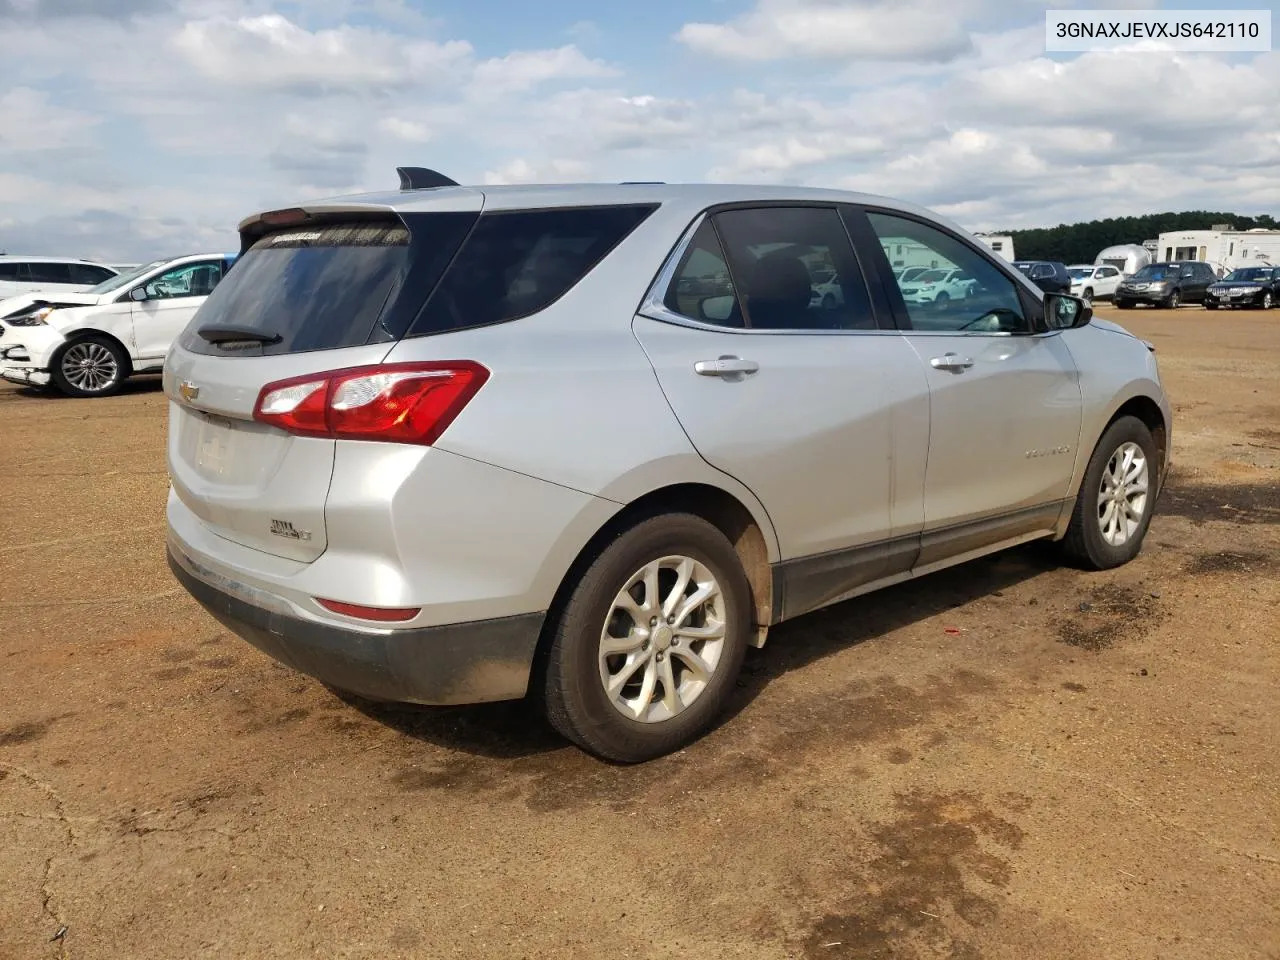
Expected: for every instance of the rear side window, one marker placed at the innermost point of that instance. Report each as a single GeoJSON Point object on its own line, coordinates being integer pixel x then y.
{"type": "Point", "coordinates": [8, 271]}
{"type": "Point", "coordinates": [49, 272]}
{"type": "Point", "coordinates": [518, 263]}
{"type": "Point", "coordinates": [334, 285]}
{"type": "Point", "coordinates": [794, 269]}
{"type": "Point", "coordinates": [89, 275]}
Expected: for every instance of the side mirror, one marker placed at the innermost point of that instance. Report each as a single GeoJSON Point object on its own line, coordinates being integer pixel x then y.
{"type": "Point", "coordinates": [1065, 312]}
{"type": "Point", "coordinates": [716, 309]}
{"type": "Point", "coordinates": [1187, 274]}
{"type": "Point", "coordinates": [138, 294]}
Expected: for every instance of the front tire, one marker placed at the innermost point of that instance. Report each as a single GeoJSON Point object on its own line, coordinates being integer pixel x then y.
{"type": "Point", "coordinates": [1174, 301]}
{"type": "Point", "coordinates": [1114, 506]}
{"type": "Point", "coordinates": [649, 645]}
{"type": "Point", "coordinates": [1267, 300]}
{"type": "Point", "coordinates": [1088, 294]}
{"type": "Point", "coordinates": [1123, 304]}
{"type": "Point", "coordinates": [90, 366]}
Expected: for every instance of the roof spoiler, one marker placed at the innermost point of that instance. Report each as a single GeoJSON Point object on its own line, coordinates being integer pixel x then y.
{"type": "Point", "coordinates": [421, 178]}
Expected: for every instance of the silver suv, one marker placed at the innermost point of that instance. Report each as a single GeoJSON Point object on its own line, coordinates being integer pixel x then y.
{"type": "Point", "coordinates": [588, 443]}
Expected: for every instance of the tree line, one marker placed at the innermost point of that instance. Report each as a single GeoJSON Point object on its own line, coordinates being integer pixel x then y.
{"type": "Point", "coordinates": [1081, 242]}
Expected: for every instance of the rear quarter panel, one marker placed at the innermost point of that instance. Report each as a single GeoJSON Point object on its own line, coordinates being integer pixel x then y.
{"type": "Point", "coordinates": [572, 399]}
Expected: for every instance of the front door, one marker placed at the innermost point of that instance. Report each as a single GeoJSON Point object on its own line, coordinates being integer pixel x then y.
{"type": "Point", "coordinates": [171, 301]}
{"type": "Point", "coordinates": [1005, 402]}
{"type": "Point", "coordinates": [767, 349]}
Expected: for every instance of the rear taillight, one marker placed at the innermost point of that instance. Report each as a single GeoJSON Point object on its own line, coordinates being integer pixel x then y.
{"type": "Point", "coordinates": [393, 402]}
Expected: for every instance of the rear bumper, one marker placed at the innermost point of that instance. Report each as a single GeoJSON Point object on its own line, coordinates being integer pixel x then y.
{"type": "Point", "coordinates": [473, 662]}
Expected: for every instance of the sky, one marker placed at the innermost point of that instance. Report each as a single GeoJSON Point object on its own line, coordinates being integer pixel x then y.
{"type": "Point", "coordinates": [131, 129]}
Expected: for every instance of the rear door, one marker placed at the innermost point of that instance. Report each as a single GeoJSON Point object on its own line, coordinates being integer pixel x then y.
{"type": "Point", "coordinates": [336, 293]}
{"type": "Point", "coordinates": [804, 399]}
{"type": "Point", "coordinates": [1005, 400]}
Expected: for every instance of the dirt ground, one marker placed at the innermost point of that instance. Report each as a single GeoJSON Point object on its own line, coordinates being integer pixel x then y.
{"type": "Point", "coordinates": [1005, 760]}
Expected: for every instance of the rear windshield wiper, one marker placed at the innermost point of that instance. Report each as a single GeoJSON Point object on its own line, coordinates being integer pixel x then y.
{"type": "Point", "coordinates": [234, 333]}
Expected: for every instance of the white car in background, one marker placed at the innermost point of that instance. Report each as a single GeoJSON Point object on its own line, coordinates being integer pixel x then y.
{"type": "Point", "coordinates": [19, 275]}
{"type": "Point", "coordinates": [1094, 281]}
{"type": "Point", "coordinates": [87, 344]}
{"type": "Point", "coordinates": [937, 286]}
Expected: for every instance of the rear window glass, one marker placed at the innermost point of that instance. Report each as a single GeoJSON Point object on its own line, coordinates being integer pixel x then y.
{"type": "Point", "coordinates": [332, 286]}
{"type": "Point", "coordinates": [515, 264]}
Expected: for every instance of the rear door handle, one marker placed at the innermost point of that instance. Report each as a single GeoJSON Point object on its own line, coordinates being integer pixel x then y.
{"type": "Point", "coordinates": [951, 362]}
{"type": "Point", "coordinates": [728, 367]}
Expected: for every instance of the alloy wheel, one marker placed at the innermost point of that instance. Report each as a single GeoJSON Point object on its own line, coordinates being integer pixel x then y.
{"type": "Point", "coordinates": [1122, 495]}
{"type": "Point", "coordinates": [90, 366]}
{"type": "Point", "coordinates": [663, 638]}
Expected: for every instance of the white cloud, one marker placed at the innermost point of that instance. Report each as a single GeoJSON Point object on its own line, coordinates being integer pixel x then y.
{"type": "Point", "coordinates": [827, 29]}
{"type": "Point", "coordinates": [270, 51]}
{"type": "Point", "coordinates": [523, 69]}
{"type": "Point", "coordinates": [521, 170]}
{"type": "Point", "coordinates": [411, 131]}
{"type": "Point", "coordinates": [30, 122]}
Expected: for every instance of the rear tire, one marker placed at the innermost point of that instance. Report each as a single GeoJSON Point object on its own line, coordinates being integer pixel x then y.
{"type": "Point", "coordinates": [90, 366]}
{"type": "Point", "coordinates": [635, 717]}
{"type": "Point", "coordinates": [1111, 519]}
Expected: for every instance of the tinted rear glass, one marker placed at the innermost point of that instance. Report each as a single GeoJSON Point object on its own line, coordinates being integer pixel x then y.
{"type": "Point", "coordinates": [332, 286]}
{"type": "Point", "coordinates": [8, 271]}
{"type": "Point", "coordinates": [515, 264]}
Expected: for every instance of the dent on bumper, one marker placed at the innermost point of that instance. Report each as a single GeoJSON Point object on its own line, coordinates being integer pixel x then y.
{"type": "Point", "coordinates": [475, 662]}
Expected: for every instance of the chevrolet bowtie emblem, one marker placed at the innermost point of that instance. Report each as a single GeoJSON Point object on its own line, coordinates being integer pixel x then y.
{"type": "Point", "coordinates": [188, 390]}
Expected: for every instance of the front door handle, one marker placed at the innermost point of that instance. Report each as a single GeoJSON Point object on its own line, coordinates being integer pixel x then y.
{"type": "Point", "coordinates": [952, 362]}
{"type": "Point", "coordinates": [728, 367]}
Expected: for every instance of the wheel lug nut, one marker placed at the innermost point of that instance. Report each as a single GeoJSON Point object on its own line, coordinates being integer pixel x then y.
{"type": "Point", "coordinates": [671, 619]}
{"type": "Point", "coordinates": [661, 657]}
{"type": "Point", "coordinates": [653, 622]}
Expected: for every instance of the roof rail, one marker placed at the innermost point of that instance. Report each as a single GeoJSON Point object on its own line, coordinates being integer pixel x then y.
{"type": "Point", "coordinates": [421, 178]}
{"type": "Point", "coordinates": [638, 183]}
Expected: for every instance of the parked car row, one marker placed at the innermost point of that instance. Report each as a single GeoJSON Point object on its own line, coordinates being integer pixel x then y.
{"type": "Point", "coordinates": [86, 344]}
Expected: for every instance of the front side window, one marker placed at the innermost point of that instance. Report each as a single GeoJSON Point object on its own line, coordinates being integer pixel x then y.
{"type": "Point", "coordinates": [188, 280]}
{"type": "Point", "coordinates": [967, 293]}
{"type": "Point", "coordinates": [793, 268]}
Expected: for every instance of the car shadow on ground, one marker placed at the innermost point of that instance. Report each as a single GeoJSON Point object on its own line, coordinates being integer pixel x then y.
{"type": "Point", "coordinates": [516, 729]}
{"type": "Point", "coordinates": [140, 384]}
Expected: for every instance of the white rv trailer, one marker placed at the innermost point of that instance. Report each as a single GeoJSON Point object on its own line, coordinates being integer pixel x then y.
{"type": "Point", "coordinates": [1224, 248]}
{"type": "Point", "coordinates": [1000, 243]}
{"type": "Point", "coordinates": [1128, 258]}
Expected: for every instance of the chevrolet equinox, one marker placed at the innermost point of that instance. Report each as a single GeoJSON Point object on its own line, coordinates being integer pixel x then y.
{"type": "Point", "coordinates": [587, 443]}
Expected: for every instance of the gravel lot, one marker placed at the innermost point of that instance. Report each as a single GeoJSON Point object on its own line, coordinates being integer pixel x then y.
{"type": "Point", "coordinates": [1008, 759]}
